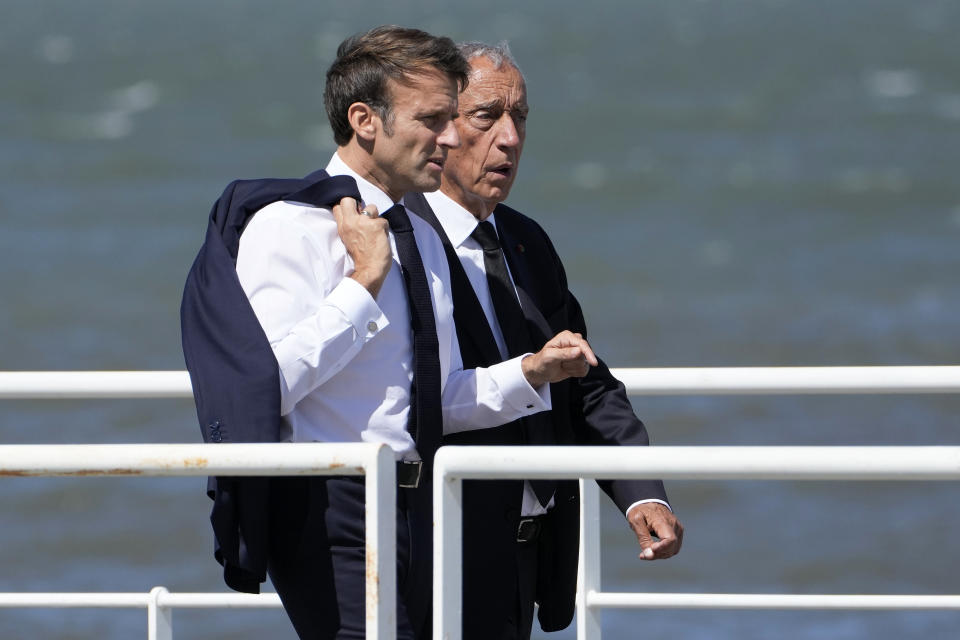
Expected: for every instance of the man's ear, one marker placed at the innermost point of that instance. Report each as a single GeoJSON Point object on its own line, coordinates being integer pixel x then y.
{"type": "Point", "coordinates": [364, 121]}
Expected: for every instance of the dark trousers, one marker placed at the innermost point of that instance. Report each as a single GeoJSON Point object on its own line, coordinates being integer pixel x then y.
{"type": "Point", "coordinates": [499, 573]}
{"type": "Point", "coordinates": [526, 590]}
{"type": "Point", "coordinates": [317, 557]}
{"type": "Point", "coordinates": [499, 601]}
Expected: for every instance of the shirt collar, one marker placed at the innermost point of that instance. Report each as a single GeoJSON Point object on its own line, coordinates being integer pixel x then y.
{"type": "Point", "coordinates": [370, 193]}
{"type": "Point", "coordinates": [457, 222]}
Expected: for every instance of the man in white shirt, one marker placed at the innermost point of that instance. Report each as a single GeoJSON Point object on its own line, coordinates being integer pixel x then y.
{"type": "Point", "coordinates": [520, 541]}
{"type": "Point", "coordinates": [328, 289]}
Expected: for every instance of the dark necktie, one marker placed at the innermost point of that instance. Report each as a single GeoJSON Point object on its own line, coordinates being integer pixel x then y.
{"type": "Point", "coordinates": [513, 326]}
{"type": "Point", "coordinates": [425, 420]}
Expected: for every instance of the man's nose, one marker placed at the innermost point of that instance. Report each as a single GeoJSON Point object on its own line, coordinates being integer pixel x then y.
{"type": "Point", "coordinates": [507, 136]}
{"type": "Point", "coordinates": [449, 137]}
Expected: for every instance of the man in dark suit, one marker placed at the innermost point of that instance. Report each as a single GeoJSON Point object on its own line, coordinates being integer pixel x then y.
{"type": "Point", "coordinates": [520, 538]}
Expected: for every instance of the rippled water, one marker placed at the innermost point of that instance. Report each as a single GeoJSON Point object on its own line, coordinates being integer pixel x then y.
{"type": "Point", "coordinates": [730, 184]}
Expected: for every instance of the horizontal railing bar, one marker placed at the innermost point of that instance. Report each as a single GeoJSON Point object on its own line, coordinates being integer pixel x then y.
{"type": "Point", "coordinates": [184, 600]}
{"type": "Point", "coordinates": [220, 600]}
{"type": "Point", "coordinates": [784, 463]}
{"type": "Point", "coordinates": [638, 381]}
{"type": "Point", "coordinates": [188, 600]}
{"type": "Point", "coordinates": [769, 601]}
{"type": "Point", "coordinates": [790, 380]}
{"type": "Point", "coordinates": [233, 459]}
{"type": "Point", "coordinates": [700, 463]}
{"type": "Point", "coordinates": [75, 600]}
{"type": "Point", "coordinates": [33, 385]}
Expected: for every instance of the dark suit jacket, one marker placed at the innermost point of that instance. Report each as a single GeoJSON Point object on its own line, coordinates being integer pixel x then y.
{"type": "Point", "coordinates": [235, 377]}
{"type": "Point", "coordinates": [592, 410]}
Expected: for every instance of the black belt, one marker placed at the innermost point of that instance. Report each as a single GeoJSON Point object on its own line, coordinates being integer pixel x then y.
{"type": "Point", "coordinates": [408, 473]}
{"type": "Point", "coordinates": [529, 528]}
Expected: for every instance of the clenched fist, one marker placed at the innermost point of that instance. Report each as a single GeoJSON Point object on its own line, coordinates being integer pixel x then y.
{"type": "Point", "coordinates": [566, 355]}
{"type": "Point", "coordinates": [364, 233]}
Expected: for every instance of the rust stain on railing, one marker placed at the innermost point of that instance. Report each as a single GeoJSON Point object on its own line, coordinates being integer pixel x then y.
{"type": "Point", "coordinates": [33, 473]}
{"type": "Point", "coordinates": [373, 575]}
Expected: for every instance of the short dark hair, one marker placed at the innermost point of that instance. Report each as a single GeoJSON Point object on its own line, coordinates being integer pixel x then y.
{"type": "Point", "coordinates": [365, 61]}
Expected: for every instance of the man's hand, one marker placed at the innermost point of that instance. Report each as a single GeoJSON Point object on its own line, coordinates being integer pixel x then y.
{"type": "Point", "coordinates": [654, 518]}
{"type": "Point", "coordinates": [367, 242]}
{"type": "Point", "coordinates": [566, 355]}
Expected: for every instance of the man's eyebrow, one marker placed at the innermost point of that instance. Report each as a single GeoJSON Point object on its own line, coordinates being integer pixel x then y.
{"type": "Point", "coordinates": [432, 112]}
{"type": "Point", "coordinates": [496, 103]}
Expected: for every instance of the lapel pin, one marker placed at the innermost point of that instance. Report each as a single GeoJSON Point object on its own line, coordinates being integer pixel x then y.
{"type": "Point", "coordinates": [520, 248]}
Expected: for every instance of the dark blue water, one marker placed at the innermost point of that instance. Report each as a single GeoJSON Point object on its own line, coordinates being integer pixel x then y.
{"type": "Point", "coordinates": [730, 184]}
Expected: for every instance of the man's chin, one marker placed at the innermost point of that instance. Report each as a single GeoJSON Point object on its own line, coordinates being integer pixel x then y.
{"type": "Point", "coordinates": [494, 193]}
{"type": "Point", "coordinates": [428, 183]}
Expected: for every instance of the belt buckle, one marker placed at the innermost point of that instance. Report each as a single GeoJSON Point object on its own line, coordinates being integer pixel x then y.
{"type": "Point", "coordinates": [528, 530]}
{"type": "Point", "coordinates": [413, 467]}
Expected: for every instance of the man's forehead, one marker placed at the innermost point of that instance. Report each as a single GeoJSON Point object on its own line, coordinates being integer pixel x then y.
{"type": "Point", "coordinates": [431, 85]}
{"type": "Point", "coordinates": [428, 76]}
{"type": "Point", "coordinates": [489, 84]}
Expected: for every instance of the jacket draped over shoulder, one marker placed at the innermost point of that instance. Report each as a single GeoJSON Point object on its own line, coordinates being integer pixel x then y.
{"type": "Point", "coordinates": [235, 377]}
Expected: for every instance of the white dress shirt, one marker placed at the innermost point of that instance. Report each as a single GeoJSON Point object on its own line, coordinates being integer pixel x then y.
{"type": "Point", "coordinates": [345, 357]}
{"type": "Point", "coordinates": [458, 223]}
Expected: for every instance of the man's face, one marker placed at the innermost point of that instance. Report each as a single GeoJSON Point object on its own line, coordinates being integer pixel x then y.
{"type": "Point", "coordinates": [492, 127]}
{"type": "Point", "coordinates": [411, 156]}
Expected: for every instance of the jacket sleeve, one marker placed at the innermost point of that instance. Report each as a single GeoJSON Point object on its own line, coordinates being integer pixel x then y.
{"type": "Point", "coordinates": [600, 410]}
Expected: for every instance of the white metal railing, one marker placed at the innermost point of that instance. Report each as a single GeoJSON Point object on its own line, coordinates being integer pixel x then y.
{"type": "Point", "coordinates": [455, 464]}
{"type": "Point", "coordinates": [646, 381]}
{"type": "Point", "coordinates": [789, 380]}
{"type": "Point", "coordinates": [46, 460]}
{"type": "Point", "coordinates": [376, 461]}
{"type": "Point", "coordinates": [48, 385]}
{"type": "Point", "coordinates": [159, 604]}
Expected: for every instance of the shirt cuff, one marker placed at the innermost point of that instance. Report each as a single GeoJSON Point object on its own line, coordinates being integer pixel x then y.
{"type": "Point", "coordinates": [515, 389]}
{"type": "Point", "coordinates": [627, 512]}
{"type": "Point", "coordinates": [359, 307]}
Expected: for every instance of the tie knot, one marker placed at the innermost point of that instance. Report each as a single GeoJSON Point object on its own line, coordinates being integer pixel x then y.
{"type": "Point", "coordinates": [398, 219]}
{"type": "Point", "coordinates": [486, 235]}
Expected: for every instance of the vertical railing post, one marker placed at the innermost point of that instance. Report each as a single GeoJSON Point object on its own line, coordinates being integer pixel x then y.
{"type": "Point", "coordinates": [159, 617]}
{"type": "Point", "coordinates": [588, 618]}
{"type": "Point", "coordinates": [381, 550]}
{"type": "Point", "coordinates": [447, 553]}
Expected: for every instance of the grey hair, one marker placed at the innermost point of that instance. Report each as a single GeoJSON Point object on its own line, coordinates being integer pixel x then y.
{"type": "Point", "coordinates": [498, 53]}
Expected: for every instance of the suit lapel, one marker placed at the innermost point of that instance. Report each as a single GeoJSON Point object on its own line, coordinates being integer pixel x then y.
{"type": "Point", "coordinates": [537, 427]}
{"type": "Point", "coordinates": [468, 315]}
{"type": "Point", "coordinates": [515, 253]}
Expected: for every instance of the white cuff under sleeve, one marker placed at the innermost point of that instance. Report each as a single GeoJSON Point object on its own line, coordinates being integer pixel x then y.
{"type": "Point", "coordinates": [515, 389]}
{"type": "Point", "coordinates": [627, 513]}
{"type": "Point", "coordinates": [359, 307]}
